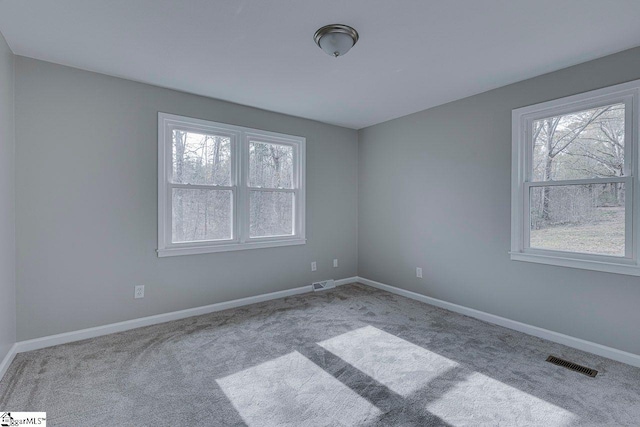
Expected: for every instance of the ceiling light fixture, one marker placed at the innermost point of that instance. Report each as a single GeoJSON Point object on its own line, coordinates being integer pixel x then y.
{"type": "Point", "coordinates": [336, 39]}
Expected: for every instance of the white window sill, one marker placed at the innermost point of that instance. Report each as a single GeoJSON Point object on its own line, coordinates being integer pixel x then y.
{"type": "Point", "coordinates": [195, 250]}
{"type": "Point", "coordinates": [630, 269]}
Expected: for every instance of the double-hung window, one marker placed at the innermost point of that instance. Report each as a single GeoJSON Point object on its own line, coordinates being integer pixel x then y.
{"type": "Point", "coordinates": [223, 187]}
{"type": "Point", "coordinates": [575, 181]}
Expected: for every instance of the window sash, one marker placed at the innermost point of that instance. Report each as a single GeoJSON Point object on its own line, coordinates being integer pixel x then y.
{"type": "Point", "coordinates": [295, 181]}
{"type": "Point", "coordinates": [294, 220]}
{"type": "Point", "coordinates": [234, 210]}
{"type": "Point", "coordinates": [628, 227]}
{"type": "Point", "coordinates": [627, 100]}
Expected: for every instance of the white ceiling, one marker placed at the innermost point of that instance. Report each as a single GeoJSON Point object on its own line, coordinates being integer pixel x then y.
{"type": "Point", "coordinates": [412, 54]}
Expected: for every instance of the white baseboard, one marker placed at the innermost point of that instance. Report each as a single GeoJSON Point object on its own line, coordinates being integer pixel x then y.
{"type": "Point", "coordinates": [580, 344]}
{"type": "Point", "coordinates": [48, 341]}
{"type": "Point", "coordinates": [67, 337]}
{"type": "Point", "coordinates": [4, 365]}
{"type": "Point", "coordinates": [346, 281]}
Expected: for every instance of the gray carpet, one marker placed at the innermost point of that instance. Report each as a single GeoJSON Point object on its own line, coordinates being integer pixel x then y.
{"type": "Point", "coordinates": [350, 356]}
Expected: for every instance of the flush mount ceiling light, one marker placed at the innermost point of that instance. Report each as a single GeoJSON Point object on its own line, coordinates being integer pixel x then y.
{"type": "Point", "coordinates": [336, 39]}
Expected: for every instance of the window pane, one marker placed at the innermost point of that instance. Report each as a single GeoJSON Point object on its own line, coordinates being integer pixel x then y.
{"type": "Point", "coordinates": [202, 159]}
{"type": "Point", "coordinates": [585, 144]}
{"type": "Point", "coordinates": [270, 165]}
{"type": "Point", "coordinates": [579, 218]}
{"type": "Point", "coordinates": [201, 215]}
{"type": "Point", "coordinates": [271, 214]}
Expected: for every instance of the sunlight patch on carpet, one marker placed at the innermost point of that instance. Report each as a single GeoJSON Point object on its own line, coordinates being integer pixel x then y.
{"type": "Point", "coordinates": [481, 400]}
{"type": "Point", "coordinates": [398, 364]}
{"type": "Point", "coordinates": [292, 391]}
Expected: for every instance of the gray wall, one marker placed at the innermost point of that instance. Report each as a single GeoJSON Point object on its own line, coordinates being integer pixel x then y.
{"type": "Point", "coordinates": [7, 203]}
{"type": "Point", "coordinates": [86, 186]}
{"type": "Point", "coordinates": [434, 192]}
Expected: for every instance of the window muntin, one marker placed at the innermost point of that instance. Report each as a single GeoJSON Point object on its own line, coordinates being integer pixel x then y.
{"type": "Point", "coordinates": [574, 181]}
{"type": "Point", "coordinates": [224, 187]}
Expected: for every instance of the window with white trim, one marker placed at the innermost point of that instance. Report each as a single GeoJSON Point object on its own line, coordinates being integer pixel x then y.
{"type": "Point", "coordinates": [575, 181]}
{"type": "Point", "coordinates": [223, 187]}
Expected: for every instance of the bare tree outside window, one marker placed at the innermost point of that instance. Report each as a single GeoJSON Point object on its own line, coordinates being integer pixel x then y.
{"type": "Point", "coordinates": [201, 215]}
{"type": "Point", "coordinates": [270, 165]}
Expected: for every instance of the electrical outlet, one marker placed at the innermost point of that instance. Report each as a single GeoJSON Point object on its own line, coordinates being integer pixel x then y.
{"type": "Point", "coordinates": [139, 291]}
{"type": "Point", "coordinates": [314, 266]}
{"type": "Point", "coordinates": [335, 263]}
{"type": "Point", "coordinates": [419, 272]}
